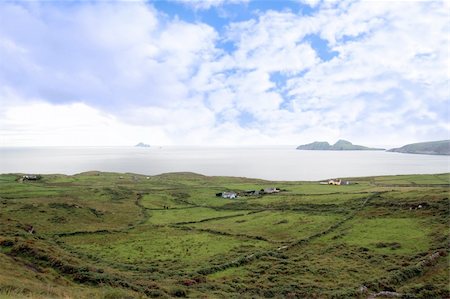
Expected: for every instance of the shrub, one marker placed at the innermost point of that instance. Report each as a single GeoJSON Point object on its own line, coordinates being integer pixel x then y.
{"type": "Point", "coordinates": [392, 245]}
{"type": "Point", "coordinates": [6, 243]}
{"type": "Point", "coordinates": [178, 292]}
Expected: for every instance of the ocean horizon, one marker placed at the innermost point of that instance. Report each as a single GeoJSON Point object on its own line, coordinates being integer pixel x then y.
{"type": "Point", "coordinates": [279, 163]}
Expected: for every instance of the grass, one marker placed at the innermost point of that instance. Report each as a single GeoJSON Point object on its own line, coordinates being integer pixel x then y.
{"type": "Point", "coordinates": [281, 226]}
{"type": "Point", "coordinates": [387, 235]}
{"type": "Point", "coordinates": [160, 200]}
{"type": "Point", "coordinates": [181, 250]}
{"type": "Point", "coordinates": [229, 274]}
{"type": "Point", "coordinates": [431, 179]}
{"type": "Point", "coordinates": [110, 235]}
{"type": "Point", "coordinates": [173, 216]}
{"type": "Point", "coordinates": [294, 200]}
{"type": "Point", "coordinates": [434, 282]}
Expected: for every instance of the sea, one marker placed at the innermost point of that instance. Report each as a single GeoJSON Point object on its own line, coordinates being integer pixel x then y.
{"type": "Point", "coordinates": [279, 163]}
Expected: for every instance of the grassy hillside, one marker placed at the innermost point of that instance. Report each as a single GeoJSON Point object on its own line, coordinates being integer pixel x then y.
{"type": "Point", "coordinates": [109, 235]}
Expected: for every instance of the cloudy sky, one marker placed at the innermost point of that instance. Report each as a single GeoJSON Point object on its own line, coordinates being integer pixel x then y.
{"type": "Point", "coordinates": [223, 72]}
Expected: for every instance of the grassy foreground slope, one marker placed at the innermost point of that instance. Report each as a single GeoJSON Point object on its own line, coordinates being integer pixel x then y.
{"type": "Point", "coordinates": [109, 235]}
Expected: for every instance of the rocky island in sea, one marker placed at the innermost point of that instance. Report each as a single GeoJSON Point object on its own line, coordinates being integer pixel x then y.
{"type": "Point", "coordinates": [141, 144]}
{"type": "Point", "coordinates": [341, 145]}
{"type": "Point", "coordinates": [441, 147]}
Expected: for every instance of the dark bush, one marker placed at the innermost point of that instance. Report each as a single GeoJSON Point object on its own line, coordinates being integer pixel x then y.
{"type": "Point", "coordinates": [59, 205]}
{"type": "Point", "coordinates": [155, 293]}
{"type": "Point", "coordinates": [7, 243]}
{"type": "Point", "coordinates": [392, 245]}
{"type": "Point", "coordinates": [58, 219]}
{"type": "Point", "coordinates": [282, 221]}
{"type": "Point", "coordinates": [189, 282]}
{"type": "Point", "coordinates": [178, 292]}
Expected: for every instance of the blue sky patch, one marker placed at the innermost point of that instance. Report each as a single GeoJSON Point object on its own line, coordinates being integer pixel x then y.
{"type": "Point", "coordinates": [245, 119]}
{"type": "Point", "coordinates": [220, 17]}
{"type": "Point", "coordinates": [321, 47]}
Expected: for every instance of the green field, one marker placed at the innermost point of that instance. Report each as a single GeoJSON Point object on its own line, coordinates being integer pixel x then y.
{"type": "Point", "coordinates": [110, 235]}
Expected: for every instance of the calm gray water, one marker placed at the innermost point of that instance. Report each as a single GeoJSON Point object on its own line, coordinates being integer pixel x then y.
{"type": "Point", "coordinates": [273, 163]}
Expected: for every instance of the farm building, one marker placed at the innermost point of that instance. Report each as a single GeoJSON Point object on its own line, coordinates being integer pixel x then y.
{"type": "Point", "coordinates": [337, 182]}
{"type": "Point", "coordinates": [31, 177]}
{"type": "Point", "coordinates": [230, 195]}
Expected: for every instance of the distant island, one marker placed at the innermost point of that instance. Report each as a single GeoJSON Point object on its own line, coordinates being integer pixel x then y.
{"type": "Point", "coordinates": [426, 148]}
{"type": "Point", "coordinates": [141, 144]}
{"type": "Point", "coordinates": [341, 145]}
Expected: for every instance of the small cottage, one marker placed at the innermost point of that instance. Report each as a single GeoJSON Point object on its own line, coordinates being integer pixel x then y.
{"type": "Point", "coordinates": [335, 182]}
{"type": "Point", "coordinates": [31, 177]}
{"type": "Point", "coordinates": [229, 195]}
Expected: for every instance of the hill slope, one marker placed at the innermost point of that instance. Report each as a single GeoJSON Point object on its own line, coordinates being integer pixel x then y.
{"type": "Point", "coordinates": [111, 235]}
{"type": "Point", "coordinates": [427, 148]}
{"type": "Point", "coordinates": [341, 145]}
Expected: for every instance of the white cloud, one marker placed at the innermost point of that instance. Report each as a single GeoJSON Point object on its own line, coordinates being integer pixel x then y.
{"type": "Point", "coordinates": [105, 54]}
{"type": "Point", "coordinates": [275, 35]}
{"type": "Point", "coordinates": [312, 3]}
{"type": "Point", "coordinates": [381, 64]}
{"type": "Point", "coordinates": [207, 4]}
{"type": "Point", "coordinates": [41, 123]}
{"type": "Point", "coordinates": [127, 67]}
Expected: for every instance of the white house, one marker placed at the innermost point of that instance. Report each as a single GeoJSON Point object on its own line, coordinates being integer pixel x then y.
{"type": "Point", "coordinates": [230, 195]}
{"type": "Point", "coordinates": [334, 182]}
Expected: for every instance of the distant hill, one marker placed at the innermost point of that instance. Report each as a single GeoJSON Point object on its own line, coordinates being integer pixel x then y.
{"type": "Point", "coordinates": [140, 144]}
{"type": "Point", "coordinates": [341, 145]}
{"type": "Point", "coordinates": [426, 148]}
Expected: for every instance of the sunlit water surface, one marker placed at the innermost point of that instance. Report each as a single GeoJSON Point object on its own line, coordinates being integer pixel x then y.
{"type": "Point", "coordinates": [273, 163]}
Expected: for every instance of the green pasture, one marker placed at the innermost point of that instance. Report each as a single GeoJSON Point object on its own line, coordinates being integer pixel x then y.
{"type": "Point", "coordinates": [293, 200]}
{"type": "Point", "coordinates": [112, 235]}
{"type": "Point", "coordinates": [165, 247]}
{"type": "Point", "coordinates": [173, 216]}
{"type": "Point", "coordinates": [386, 235]}
{"type": "Point", "coordinates": [431, 179]}
{"type": "Point", "coordinates": [279, 226]}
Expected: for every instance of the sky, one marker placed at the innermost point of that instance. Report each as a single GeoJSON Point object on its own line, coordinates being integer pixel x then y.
{"type": "Point", "coordinates": [223, 72]}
